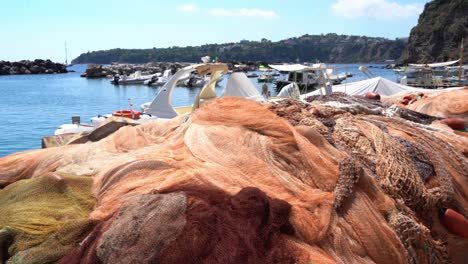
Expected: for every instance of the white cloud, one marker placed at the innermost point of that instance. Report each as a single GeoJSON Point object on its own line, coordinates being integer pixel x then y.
{"type": "Point", "coordinates": [188, 8]}
{"type": "Point", "coordinates": [242, 12]}
{"type": "Point", "coordinates": [378, 9]}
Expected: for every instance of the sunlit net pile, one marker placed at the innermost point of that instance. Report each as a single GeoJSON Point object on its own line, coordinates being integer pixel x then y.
{"type": "Point", "coordinates": [341, 180]}
{"type": "Point", "coordinates": [441, 103]}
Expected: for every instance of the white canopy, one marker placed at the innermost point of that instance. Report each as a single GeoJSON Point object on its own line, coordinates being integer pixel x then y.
{"type": "Point", "coordinates": [298, 67]}
{"type": "Point", "coordinates": [434, 65]}
{"type": "Point", "coordinates": [378, 85]}
{"type": "Point", "coordinates": [240, 86]}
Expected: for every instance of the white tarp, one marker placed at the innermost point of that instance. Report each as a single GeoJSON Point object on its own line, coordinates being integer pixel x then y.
{"type": "Point", "coordinates": [290, 91]}
{"type": "Point", "coordinates": [434, 65]}
{"type": "Point", "coordinates": [298, 67]}
{"type": "Point", "coordinates": [378, 85]}
{"type": "Point", "coordinates": [288, 67]}
{"type": "Point", "coordinates": [240, 86]}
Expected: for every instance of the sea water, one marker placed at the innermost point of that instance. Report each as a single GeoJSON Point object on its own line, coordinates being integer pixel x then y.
{"type": "Point", "coordinates": [33, 106]}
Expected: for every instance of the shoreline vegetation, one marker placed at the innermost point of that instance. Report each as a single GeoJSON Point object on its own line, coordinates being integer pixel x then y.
{"type": "Point", "coordinates": [330, 48]}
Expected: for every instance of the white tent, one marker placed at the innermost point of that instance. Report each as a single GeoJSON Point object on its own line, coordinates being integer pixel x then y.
{"type": "Point", "coordinates": [240, 86]}
{"type": "Point", "coordinates": [290, 91]}
{"type": "Point", "coordinates": [378, 85]}
{"type": "Point", "coordinates": [298, 67]}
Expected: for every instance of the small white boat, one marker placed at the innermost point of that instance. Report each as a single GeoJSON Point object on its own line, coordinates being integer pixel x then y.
{"type": "Point", "coordinates": [159, 80]}
{"type": "Point", "coordinates": [73, 129]}
{"type": "Point", "coordinates": [199, 81]}
{"type": "Point", "coordinates": [335, 78]}
{"type": "Point", "coordinates": [135, 78]}
{"type": "Point", "coordinates": [266, 78]}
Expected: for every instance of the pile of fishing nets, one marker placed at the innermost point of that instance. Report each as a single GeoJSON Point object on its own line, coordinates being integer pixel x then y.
{"type": "Point", "coordinates": [439, 103]}
{"type": "Point", "coordinates": [337, 180]}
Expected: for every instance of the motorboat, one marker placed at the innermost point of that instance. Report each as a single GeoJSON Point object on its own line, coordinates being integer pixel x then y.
{"type": "Point", "coordinates": [266, 78]}
{"type": "Point", "coordinates": [195, 81]}
{"type": "Point", "coordinates": [159, 80]}
{"type": "Point", "coordinates": [161, 106]}
{"type": "Point", "coordinates": [252, 75]}
{"type": "Point", "coordinates": [199, 81]}
{"type": "Point", "coordinates": [135, 78]}
{"type": "Point", "coordinates": [335, 78]}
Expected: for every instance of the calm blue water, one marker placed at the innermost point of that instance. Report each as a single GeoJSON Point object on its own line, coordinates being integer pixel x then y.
{"type": "Point", "coordinates": [35, 105]}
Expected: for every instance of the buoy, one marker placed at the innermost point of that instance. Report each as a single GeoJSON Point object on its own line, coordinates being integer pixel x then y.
{"type": "Point", "coordinates": [404, 101]}
{"type": "Point", "coordinates": [454, 123]}
{"type": "Point", "coordinates": [455, 222]}
{"type": "Point", "coordinates": [127, 114]}
{"type": "Point", "coordinates": [372, 95]}
{"type": "Point", "coordinates": [410, 97]}
{"type": "Point", "coordinates": [315, 112]}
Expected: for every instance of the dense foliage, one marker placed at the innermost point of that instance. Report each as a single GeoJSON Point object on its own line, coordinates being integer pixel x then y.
{"type": "Point", "coordinates": [439, 32]}
{"type": "Point", "coordinates": [326, 48]}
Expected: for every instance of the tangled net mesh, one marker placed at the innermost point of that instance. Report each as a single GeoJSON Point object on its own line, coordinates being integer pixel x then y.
{"type": "Point", "coordinates": [238, 182]}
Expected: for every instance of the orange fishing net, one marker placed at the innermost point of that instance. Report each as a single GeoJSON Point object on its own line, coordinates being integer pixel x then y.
{"type": "Point", "coordinates": [238, 182]}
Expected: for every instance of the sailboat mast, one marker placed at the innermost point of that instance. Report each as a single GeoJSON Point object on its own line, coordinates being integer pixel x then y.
{"type": "Point", "coordinates": [460, 69]}
{"type": "Point", "coordinates": [66, 54]}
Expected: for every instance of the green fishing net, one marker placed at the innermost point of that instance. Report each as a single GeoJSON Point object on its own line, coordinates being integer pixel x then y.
{"type": "Point", "coordinates": [42, 218]}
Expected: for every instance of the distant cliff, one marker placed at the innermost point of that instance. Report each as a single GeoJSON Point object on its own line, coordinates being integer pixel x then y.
{"type": "Point", "coordinates": [325, 48]}
{"type": "Point", "coordinates": [438, 34]}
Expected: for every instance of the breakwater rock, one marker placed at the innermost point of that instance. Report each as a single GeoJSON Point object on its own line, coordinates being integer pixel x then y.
{"type": "Point", "coordinates": [31, 67]}
{"type": "Point", "coordinates": [241, 182]}
{"type": "Point", "coordinates": [99, 71]}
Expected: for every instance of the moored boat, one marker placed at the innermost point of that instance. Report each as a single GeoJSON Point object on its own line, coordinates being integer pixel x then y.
{"type": "Point", "coordinates": [135, 78]}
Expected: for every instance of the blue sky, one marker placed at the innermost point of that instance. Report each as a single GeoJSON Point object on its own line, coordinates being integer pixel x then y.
{"type": "Point", "coordinates": [39, 28]}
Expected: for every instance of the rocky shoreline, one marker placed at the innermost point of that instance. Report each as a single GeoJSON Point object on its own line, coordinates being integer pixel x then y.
{"type": "Point", "coordinates": [31, 67]}
{"type": "Point", "coordinates": [99, 71]}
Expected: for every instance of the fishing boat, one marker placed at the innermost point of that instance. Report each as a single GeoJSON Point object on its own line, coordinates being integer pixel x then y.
{"type": "Point", "coordinates": [432, 75]}
{"type": "Point", "coordinates": [435, 75]}
{"type": "Point", "coordinates": [307, 77]}
{"type": "Point", "coordinates": [267, 76]}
